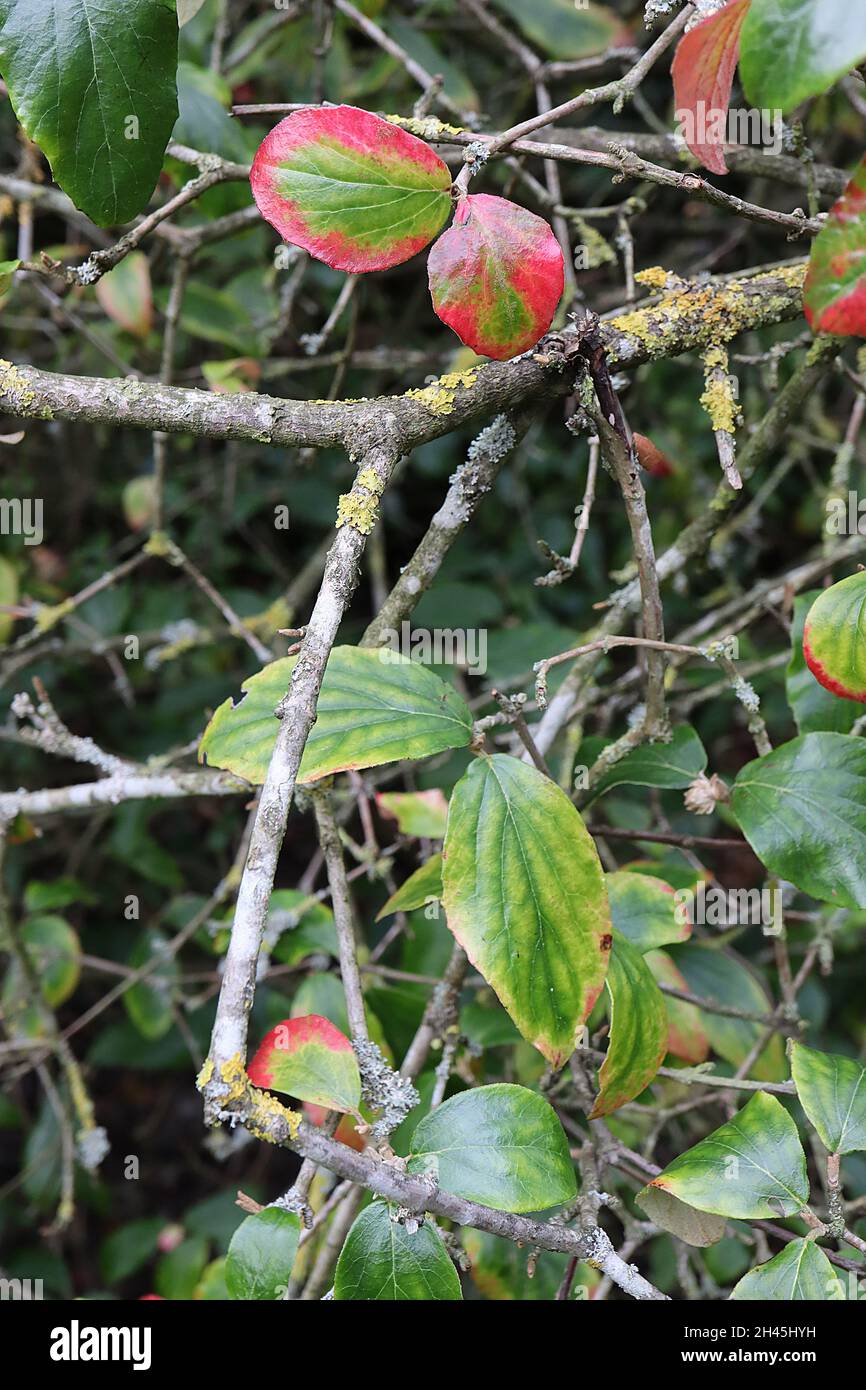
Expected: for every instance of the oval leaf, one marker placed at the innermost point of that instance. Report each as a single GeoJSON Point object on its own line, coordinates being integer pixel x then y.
{"type": "Point", "coordinates": [701, 1228]}
{"type": "Point", "coordinates": [834, 643]}
{"type": "Point", "coordinates": [752, 1167]}
{"type": "Point", "coordinates": [815, 709]}
{"type": "Point", "coordinates": [496, 276]}
{"type": "Point", "coordinates": [374, 707]}
{"type": "Point", "coordinates": [794, 49]}
{"type": "Point", "coordinates": [355, 191]}
{"type": "Point", "coordinates": [501, 1145]}
{"type": "Point", "coordinates": [801, 1273]}
{"type": "Point", "coordinates": [419, 888]}
{"type": "Point", "coordinates": [803, 810]}
{"type": "Point", "coordinates": [310, 1059]}
{"type": "Point", "coordinates": [98, 96]}
{"type": "Point", "coordinates": [261, 1254]}
{"type": "Point", "coordinates": [416, 813]}
{"type": "Point", "coordinates": [834, 293]}
{"type": "Point", "coordinates": [702, 72]}
{"type": "Point", "coordinates": [638, 1029]}
{"type": "Point", "coordinates": [383, 1261]}
{"type": "Point", "coordinates": [645, 910]}
{"type": "Point", "coordinates": [524, 895]}
{"type": "Point", "coordinates": [832, 1091]}
{"type": "Point", "coordinates": [670, 765]}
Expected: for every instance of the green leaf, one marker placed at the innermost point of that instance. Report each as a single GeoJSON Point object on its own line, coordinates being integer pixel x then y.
{"type": "Point", "coordinates": [98, 96]}
{"type": "Point", "coordinates": [833, 634]}
{"type": "Point", "coordinates": [309, 1058]}
{"type": "Point", "coordinates": [178, 1272]}
{"type": "Point", "coordinates": [422, 886]}
{"type": "Point", "coordinates": [725, 978]}
{"type": "Point", "coordinates": [752, 1167]}
{"type": "Point", "coordinates": [8, 596]}
{"type": "Point", "coordinates": [645, 910]}
{"type": "Point", "coordinates": [150, 1002]}
{"type": "Point", "coordinates": [501, 1145]}
{"type": "Point", "coordinates": [562, 29]}
{"type": "Point", "coordinates": [687, 1037]}
{"type": "Point", "coordinates": [832, 1091]}
{"type": "Point", "coordinates": [261, 1254]}
{"type": "Point", "coordinates": [638, 1029]}
{"type": "Point", "coordinates": [815, 709]}
{"type": "Point", "coordinates": [700, 1228]}
{"type": "Point", "coordinates": [524, 895]}
{"type": "Point", "coordinates": [667, 765]}
{"type": "Point", "coordinates": [803, 810]}
{"type": "Point", "coordinates": [130, 1247]}
{"type": "Point", "coordinates": [355, 191]}
{"type": "Point", "coordinates": [7, 273]}
{"type": "Point", "coordinates": [384, 1261]}
{"type": "Point", "coordinates": [54, 952]}
{"type": "Point", "coordinates": [416, 813]}
{"type": "Point", "coordinates": [801, 1273]}
{"type": "Point", "coordinates": [299, 927]}
{"type": "Point", "coordinates": [374, 707]}
{"type": "Point", "coordinates": [834, 300]}
{"type": "Point", "coordinates": [794, 49]}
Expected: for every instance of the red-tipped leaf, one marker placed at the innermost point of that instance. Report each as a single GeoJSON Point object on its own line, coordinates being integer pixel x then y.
{"type": "Point", "coordinates": [310, 1059]}
{"type": "Point", "coordinates": [496, 276]}
{"type": "Point", "coordinates": [355, 191]}
{"type": "Point", "coordinates": [702, 72]}
{"type": "Point", "coordinates": [834, 295]}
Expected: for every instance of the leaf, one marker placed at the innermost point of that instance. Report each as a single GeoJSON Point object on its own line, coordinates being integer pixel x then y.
{"type": "Point", "coordinates": [814, 708]}
{"type": "Point", "coordinates": [310, 1059]}
{"type": "Point", "coordinates": [355, 191]}
{"type": "Point", "coordinates": [419, 888]}
{"type": "Point", "coordinates": [803, 810]}
{"type": "Point", "coordinates": [97, 96]}
{"type": "Point", "coordinates": [562, 29]}
{"type": "Point", "coordinates": [700, 1228]}
{"type": "Point", "coordinates": [638, 1029]}
{"type": "Point", "coordinates": [686, 1035]}
{"type": "Point", "coordinates": [702, 72]}
{"type": "Point", "coordinates": [150, 1002]}
{"type": "Point", "coordinates": [298, 933]}
{"type": "Point", "coordinates": [725, 978]}
{"type": "Point", "coordinates": [832, 1091]}
{"type": "Point", "coordinates": [752, 1167]}
{"type": "Point", "coordinates": [374, 707]}
{"type": "Point", "coordinates": [54, 952]}
{"type": "Point", "coordinates": [8, 596]}
{"type": "Point", "coordinates": [496, 276]}
{"type": "Point", "coordinates": [178, 1272]}
{"type": "Point", "coordinates": [125, 294]}
{"type": "Point", "coordinates": [834, 639]}
{"type": "Point", "coordinates": [139, 498]}
{"type": "Point", "coordinates": [128, 1248]}
{"type": "Point", "coordinates": [524, 895]}
{"type": "Point", "coordinates": [416, 813]}
{"type": "Point", "coordinates": [801, 1273]}
{"type": "Point", "coordinates": [794, 49]}
{"type": "Point", "coordinates": [834, 292]}
{"type": "Point", "coordinates": [7, 274]}
{"type": "Point", "coordinates": [645, 910]}
{"type": "Point", "coordinates": [651, 458]}
{"type": "Point", "coordinates": [383, 1261]}
{"type": "Point", "coordinates": [500, 1145]}
{"type": "Point", "coordinates": [666, 765]}
{"type": "Point", "coordinates": [261, 1254]}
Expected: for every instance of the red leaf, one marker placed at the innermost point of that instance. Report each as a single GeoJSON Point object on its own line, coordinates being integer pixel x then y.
{"type": "Point", "coordinates": [834, 295]}
{"type": "Point", "coordinates": [309, 1058]}
{"type": "Point", "coordinates": [703, 71]}
{"type": "Point", "coordinates": [355, 191]}
{"type": "Point", "coordinates": [496, 276]}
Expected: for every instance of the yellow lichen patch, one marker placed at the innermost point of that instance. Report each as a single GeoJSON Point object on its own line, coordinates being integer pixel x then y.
{"type": "Point", "coordinates": [20, 396]}
{"type": "Point", "coordinates": [233, 1074]}
{"type": "Point", "coordinates": [265, 1109]}
{"type": "Point", "coordinates": [158, 545]}
{"type": "Point", "coordinates": [357, 509]}
{"type": "Point", "coordinates": [205, 1074]}
{"type": "Point", "coordinates": [369, 478]}
{"type": "Point", "coordinates": [655, 277]}
{"type": "Point", "coordinates": [440, 395]}
{"type": "Point", "coordinates": [718, 399]}
{"type": "Point", "coordinates": [427, 127]}
{"type": "Point", "coordinates": [49, 615]}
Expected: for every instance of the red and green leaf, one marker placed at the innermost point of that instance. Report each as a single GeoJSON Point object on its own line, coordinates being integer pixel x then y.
{"type": "Point", "coordinates": [702, 72]}
{"type": "Point", "coordinates": [355, 191]}
{"type": "Point", "coordinates": [310, 1059]}
{"type": "Point", "coordinates": [687, 1038]}
{"type": "Point", "coordinates": [834, 295]}
{"type": "Point", "coordinates": [496, 276]}
{"type": "Point", "coordinates": [834, 638]}
{"type": "Point", "coordinates": [638, 1029]}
